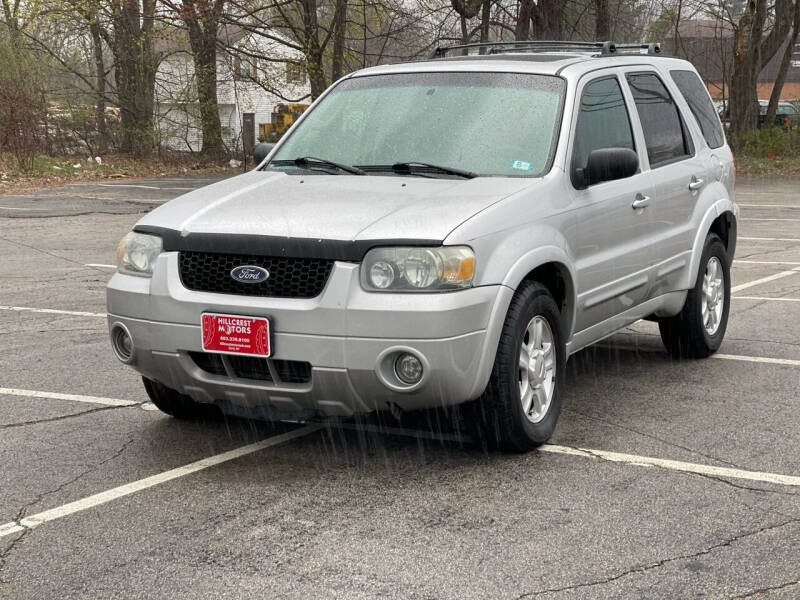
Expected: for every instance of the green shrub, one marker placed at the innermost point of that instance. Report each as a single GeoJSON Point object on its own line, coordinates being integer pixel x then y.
{"type": "Point", "coordinates": [770, 142]}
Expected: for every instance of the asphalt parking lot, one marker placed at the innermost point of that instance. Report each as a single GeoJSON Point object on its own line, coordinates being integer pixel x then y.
{"type": "Point", "coordinates": [664, 479]}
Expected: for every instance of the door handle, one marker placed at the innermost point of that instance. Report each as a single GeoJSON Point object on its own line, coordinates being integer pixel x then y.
{"type": "Point", "coordinates": [641, 201]}
{"type": "Point", "coordinates": [695, 184]}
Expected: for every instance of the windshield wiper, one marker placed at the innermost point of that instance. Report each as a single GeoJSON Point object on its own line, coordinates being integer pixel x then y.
{"type": "Point", "coordinates": [305, 161]}
{"type": "Point", "coordinates": [409, 167]}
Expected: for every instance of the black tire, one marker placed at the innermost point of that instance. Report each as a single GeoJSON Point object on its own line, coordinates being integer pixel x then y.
{"type": "Point", "coordinates": [498, 417]}
{"type": "Point", "coordinates": [178, 405]}
{"type": "Point", "coordinates": [685, 335]}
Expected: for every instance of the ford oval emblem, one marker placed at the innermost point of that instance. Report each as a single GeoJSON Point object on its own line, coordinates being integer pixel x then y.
{"type": "Point", "coordinates": [250, 274]}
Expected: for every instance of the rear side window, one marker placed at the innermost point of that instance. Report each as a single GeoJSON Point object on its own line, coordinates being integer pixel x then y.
{"type": "Point", "coordinates": [701, 106]}
{"type": "Point", "coordinates": [602, 122]}
{"type": "Point", "coordinates": [661, 122]}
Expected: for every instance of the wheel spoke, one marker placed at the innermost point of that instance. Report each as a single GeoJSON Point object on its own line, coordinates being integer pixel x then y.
{"type": "Point", "coordinates": [541, 400]}
{"type": "Point", "coordinates": [548, 356]}
{"type": "Point", "coordinates": [537, 334]}
{"type": "Point", "coordinates": [527, 399]}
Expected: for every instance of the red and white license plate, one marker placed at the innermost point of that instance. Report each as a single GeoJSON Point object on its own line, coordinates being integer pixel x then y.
{"type": "Point", "coordinates": [235, 334]}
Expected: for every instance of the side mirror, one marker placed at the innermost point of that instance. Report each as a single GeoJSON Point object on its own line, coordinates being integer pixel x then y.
{"type": "Point", "coordinates": [607, 164]}
{"type": "Point", "coordinates": [261, 150]}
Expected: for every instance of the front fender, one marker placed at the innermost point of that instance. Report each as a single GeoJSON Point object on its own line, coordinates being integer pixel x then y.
{"type": "Point", "coordinates": [507, 258]}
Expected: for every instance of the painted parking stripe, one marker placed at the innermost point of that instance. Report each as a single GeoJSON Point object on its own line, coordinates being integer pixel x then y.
{"type": "Point", "coordinates": [769, 205]}
{"type": "Point", "coordinates": [758, 359]}
{"type": "Point", "coordinates": [759, 219]}
{"type": "Point", "coordinates": [72, 397]}
{"type": "Point", "coordinates": [749, 284]}
{"type": "Point", "coordinates": [148, 482]}
{"type": "Point", "coordinates": [766, 239]}
{"type": "Point", "coordinates": [674, 465]}
{"type": "Point", "coordinates": [52, 311]}
{"type": "Point", "coordinates": [765, 298]}
{"type": "Point", "coordinates": [630, 459]}
{"type": "Point", "coordinates": [763, 262]}
{"type": "Point", "coordinates": [102, 266]}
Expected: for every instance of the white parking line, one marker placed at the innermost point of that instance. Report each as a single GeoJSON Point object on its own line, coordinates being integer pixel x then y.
{"type": "Point", "coordinates": [763, 262]}
{"type": "Point", "coordinates": [148, 482]}
{"type": "Point", "coordinates": [630, 459]}
{"type": "Point", "coordinates": [781, 275]}
{"type": "Point", "coordinates": [674, 465]}
{"type": "Point", "coordinates": [758, 359]}
{"type": "Point", "coordinates": [100, 265]}
{"type": "Point", "coordinates": [765, 298]}
{"type": "Point", "coordinates": [769, 205]}
{"type": "Point", "coordinates": [759, 219]}
{"type": "Point", "coordinates": [73, 397]}
{"type": "Point", "coordinates": [52, 311]}
{"type": "Point", "coordinates": [766, 239]}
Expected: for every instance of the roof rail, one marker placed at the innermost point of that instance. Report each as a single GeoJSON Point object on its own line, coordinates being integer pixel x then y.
{"type": "Point", "coordinates": [594, 48]}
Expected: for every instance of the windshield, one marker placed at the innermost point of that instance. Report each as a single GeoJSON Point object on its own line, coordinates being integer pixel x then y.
{"type": "Point", "coordinates": [483, 123]}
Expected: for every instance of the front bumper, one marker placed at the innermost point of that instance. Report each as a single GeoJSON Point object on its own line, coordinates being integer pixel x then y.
{"type": "Point", "coordinates": [346, 334]}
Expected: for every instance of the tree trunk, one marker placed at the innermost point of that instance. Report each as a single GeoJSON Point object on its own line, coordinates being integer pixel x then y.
{"type": "Point", "coordinates": [548, 20]}
{"type": "Point", "coordinates": [339, 25]}
{"type": "Point", "coordinates": [100, 85]}
{"type": "Point", "coordinates": [312, 49]}
{"type": "Point", "coordinates": [522, 31]}
{"type": "Point", "coordinates": [202, 23]}
{"type": "Point", "coordinates": [135, 69]}
{"type": "Point", "coordinates": [746, 64]}
{"type": "Point", "coordinates": [486, 18]}
{"type": "Point", "coordinates": [205, 72]}
{"type": "Point", "coordinates": [602, 21]}
{"type": "Point", "coordinates": [786, 60]}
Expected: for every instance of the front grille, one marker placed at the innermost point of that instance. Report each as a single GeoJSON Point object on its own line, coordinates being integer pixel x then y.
{"type": "Point", "coordinates": [252, 367]}
{"type": "Point", "coordinates": [288, 277]}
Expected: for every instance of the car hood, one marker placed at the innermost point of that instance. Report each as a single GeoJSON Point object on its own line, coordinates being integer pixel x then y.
{"type": "Point", "coordinates": [333, 207]}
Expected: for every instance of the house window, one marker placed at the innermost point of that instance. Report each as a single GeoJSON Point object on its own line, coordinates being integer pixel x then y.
{"type": "Point", "coordinates": [245, 68]}
{"type": "Point", "coordinates": [295, 73]}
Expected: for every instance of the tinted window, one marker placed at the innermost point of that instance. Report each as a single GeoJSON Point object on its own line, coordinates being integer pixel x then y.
{"type": "Point", "coordinates": [603, 121]}
{"type": "Point", "coordinates": [701, 106]}
{"type": "Point", "coordinates": [661, 121]}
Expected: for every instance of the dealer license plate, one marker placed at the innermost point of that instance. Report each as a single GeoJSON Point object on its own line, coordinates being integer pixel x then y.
{"type": "Point", "coordinates": [235, 334]}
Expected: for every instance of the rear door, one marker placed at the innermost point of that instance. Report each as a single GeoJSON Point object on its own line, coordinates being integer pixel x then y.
{"type": "Point", "coordinates": [613, 247]}
{"type": "Point", "coordinates": [678, 174]}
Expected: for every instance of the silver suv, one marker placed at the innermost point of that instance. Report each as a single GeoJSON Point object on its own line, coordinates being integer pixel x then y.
{"type": "Point", "coordinates": [437, 233]}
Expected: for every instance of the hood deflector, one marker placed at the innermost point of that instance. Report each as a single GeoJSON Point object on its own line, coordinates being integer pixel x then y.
{"type": "Point", "coordinates": [264, 245]}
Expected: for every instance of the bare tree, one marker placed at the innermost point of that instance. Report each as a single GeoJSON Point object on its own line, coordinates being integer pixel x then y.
{"type": "Point", "coordinates": [786, 60]}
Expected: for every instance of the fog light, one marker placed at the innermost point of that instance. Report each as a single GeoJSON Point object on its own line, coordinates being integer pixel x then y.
{"type": "Point", "coordinates": [122, 343]}
{"type": "Point", "coordinates": [408, 368]}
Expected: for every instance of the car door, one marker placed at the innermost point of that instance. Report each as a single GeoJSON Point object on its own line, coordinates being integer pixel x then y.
{"type": "Point", "coordinates": [613, 248]}
{"type": "Point", "coordinates": [678, 174]}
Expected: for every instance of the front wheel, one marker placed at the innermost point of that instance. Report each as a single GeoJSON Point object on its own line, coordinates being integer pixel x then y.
{"type": "Point", "coordinates": [520, 407]}
{"type": "Point", "coordinates": [698, 330]}
{"type": "Point", "coordinates": [176, 404]}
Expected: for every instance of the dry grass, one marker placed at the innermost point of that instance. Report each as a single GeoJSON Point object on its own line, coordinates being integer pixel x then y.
{"type": "Point", "coordinates": [51, 171]}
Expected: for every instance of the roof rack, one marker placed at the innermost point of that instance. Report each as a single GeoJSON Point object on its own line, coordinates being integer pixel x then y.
{"type": "Point", "coordinates": [594, 48]}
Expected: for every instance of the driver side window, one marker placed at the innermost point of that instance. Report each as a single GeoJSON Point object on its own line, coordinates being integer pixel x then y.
{"type": "Point", "coordinates": [603, 121]}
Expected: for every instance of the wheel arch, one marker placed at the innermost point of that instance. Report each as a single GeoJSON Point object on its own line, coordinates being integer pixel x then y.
{"type": "Point", "coordinates": [721, 219]}
{"type": "Point", "coordinates": [549, 266]}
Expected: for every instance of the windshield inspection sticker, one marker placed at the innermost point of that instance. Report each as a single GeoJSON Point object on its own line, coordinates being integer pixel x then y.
{"type": "Point", "coordinates": [521, 165]}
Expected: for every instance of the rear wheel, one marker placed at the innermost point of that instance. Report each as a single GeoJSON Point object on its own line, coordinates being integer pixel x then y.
{"type": "Point", "coordinates": [176, 404]}
{"type": "Point", "coordinates": [520, 407]}
{"type": "Point", "coordinates": [698, 330]}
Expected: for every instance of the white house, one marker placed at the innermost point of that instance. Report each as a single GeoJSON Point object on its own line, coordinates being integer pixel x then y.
{"type": "Point", "coordinates": [243, 80]}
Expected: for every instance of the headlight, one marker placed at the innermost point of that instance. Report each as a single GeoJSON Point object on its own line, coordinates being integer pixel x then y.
{"type": "Point", "coordinates": [137, 253]}
{"type": "Point", "coordinates": [418, 269]}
